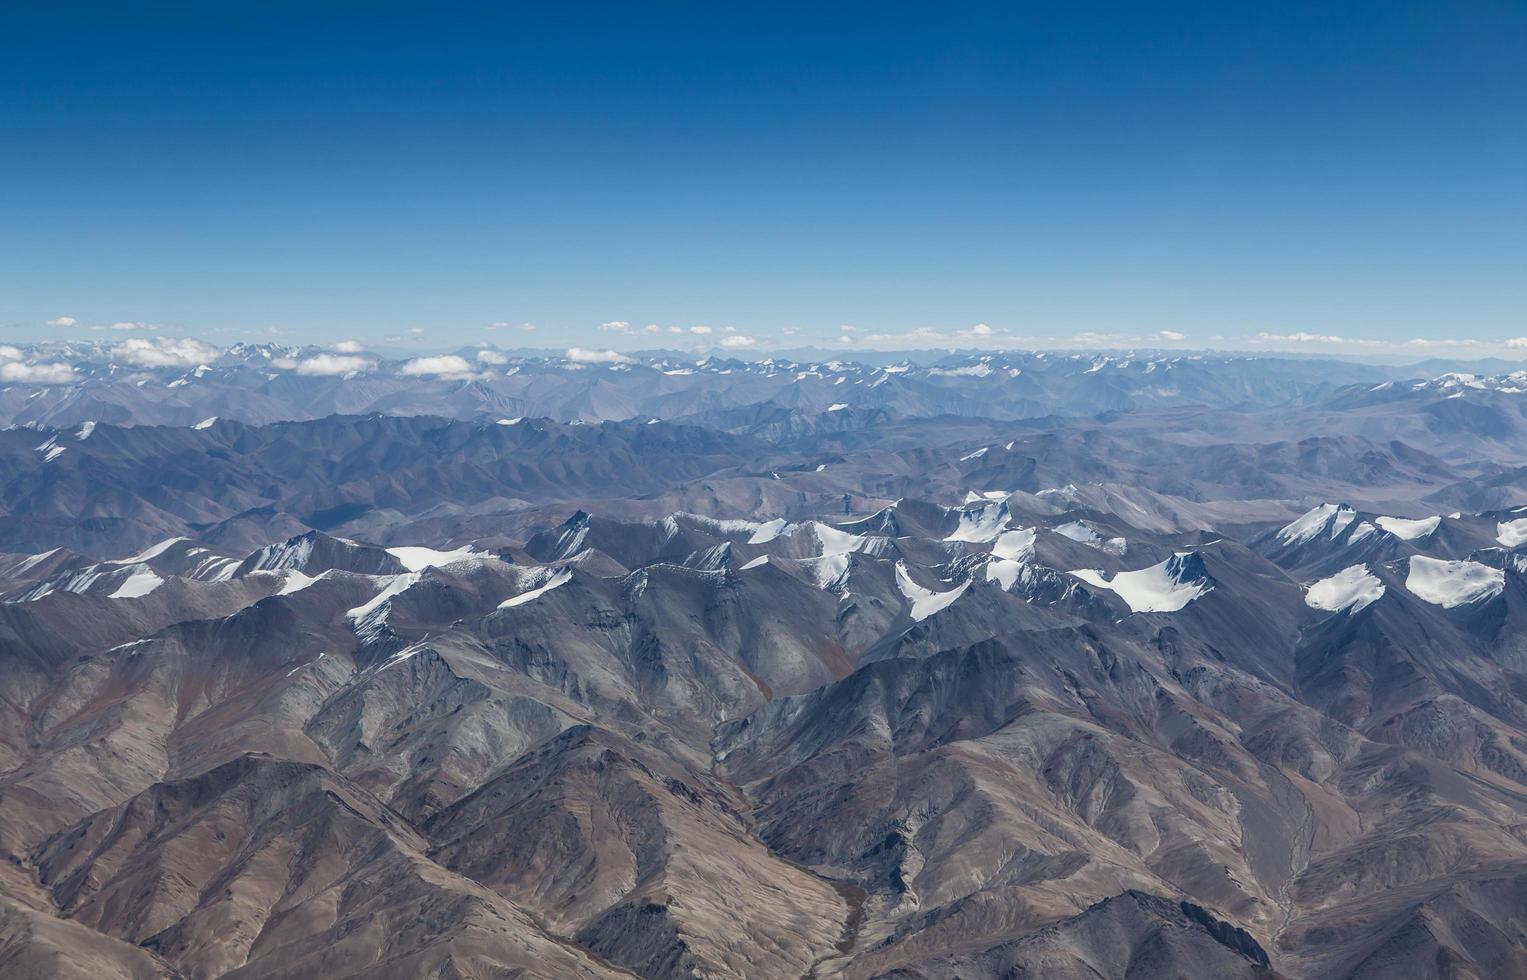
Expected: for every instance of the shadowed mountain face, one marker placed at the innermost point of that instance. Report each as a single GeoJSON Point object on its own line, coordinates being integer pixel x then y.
{"type": "Point", "coordinates": [983, 668]}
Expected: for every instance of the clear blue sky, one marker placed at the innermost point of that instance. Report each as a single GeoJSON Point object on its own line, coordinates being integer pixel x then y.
{"type": "Point", "coordinates": [1216, 170]}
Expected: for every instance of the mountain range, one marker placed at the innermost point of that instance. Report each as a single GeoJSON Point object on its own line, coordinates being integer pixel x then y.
{"type": "Point", "coordinates": [971, 665]}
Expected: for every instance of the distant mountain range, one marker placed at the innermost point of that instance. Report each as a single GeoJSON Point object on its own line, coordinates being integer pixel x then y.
{"type": "Point", "coordinates": [185, 382]}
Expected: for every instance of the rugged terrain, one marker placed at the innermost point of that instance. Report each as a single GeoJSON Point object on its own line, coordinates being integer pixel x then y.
{"type": "Point", "coordinates": [983, 666]}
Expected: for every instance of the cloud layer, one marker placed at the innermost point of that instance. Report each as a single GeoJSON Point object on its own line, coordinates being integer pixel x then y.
{"type": "Point", "coordinates": [165, 352]}
{"type": "Point", "coordinates": [332, 364]}
{"type": "Point", "coordinates": [443, 365]}
{"type": "Point", "coordinates": [14, 371]}
{"type": "Point", "coordinates": [584, 356]}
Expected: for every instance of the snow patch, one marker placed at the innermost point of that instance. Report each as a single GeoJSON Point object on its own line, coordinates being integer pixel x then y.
{"type": "Point", "coordinates": [1407, 529]}
{"type": "Point", "coordinates": [1167, 586]}
{"type": "Point", "coordinates": [757, 533]}
{"type": "Point", "coordinates": [416, 558]}
{"type": "Point", "coordinates": [140, 583]}
{"type": "Point", "coordinates": [570, 539]}
{"type": "Point", "coordinates": [768, 531]}
{"type": "Point", "coordinates": [51, 450]}
{"type": "Point", "coordinates": [293, 553]}
{"type": "Point", "coordinates": [925, 602]}
{"type": "Point", "coordinates": [1512, 533]}
{"type": "Point", "coordinates": [1015, 545]}
{"type": "Point", "coordinates": [1360, 532]}
{"type": "Point", "coordinates": [1084, 533]}
{"type": "Point", "coordinates": [1009, 572]}
{"type": "Point", "coordinates": [153, 551]}
{"type": "Point", "coordinates": [558, 578]}
{"type": "Point", "coordinates": [836, 542]}
{"type": "Point", "coordinates": [1351, 588]}
{"type": "Point", "coordinates": [1450, 584]}
{"type": "Point", "coordinates": [829, 571]}
{"type": "Point", "coordinates": [982, 524]}
{"type": "Point", "coordinates": [27, 564]}
{"type": "Point", "coordinates": [295, 581]}
{"type": "Point", "coordinates": [1334, 517]}
{"type": "Point", "coordinates": [970, 371]}
{"type": "Point", "coordinates": [369, 616]}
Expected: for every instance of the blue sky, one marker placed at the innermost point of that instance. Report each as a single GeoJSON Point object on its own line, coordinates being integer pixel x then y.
{"type": "Point", "coordinates": [1241, 175]}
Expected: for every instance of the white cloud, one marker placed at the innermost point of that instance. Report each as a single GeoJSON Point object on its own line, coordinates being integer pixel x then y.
{"type": "Point", "coordinates": [700, 330]}
{"type": "Point", "coordinates": [12, 370]}
{"type": "Point", "coordinates": [165, 352]}
{"type": "Point", "coordinates": [1172, 335]}
{"type": "Point", "coordinates": [919, 335]}
{"type": "Point", "coordinates": [323, 365]}
{"type": "Point", "coordinates": [792, 331]}
{"type": "Point", "coordinates": [737, 340]}
{"type": "Point", "coordinates": [980, 331]}
{"type": "Point", "coordinates": [1312, 338]}
{"type": "Point", "coordinates": [1447, 342]}
{"type": "Point", "coordinates": [347, 347]}
{"type": "Point", "coordinates": [675, 329]}
{"type": "Point", "coordinates": [443, 365]}
{"type": "Point", "coordinates": [616, 326]}
{"type": "Point", "coordinates": [1298, 338]}
{"type": "Point", "coordinates": [584, 356]}
{"type": "Point", "coordinates": [1304, 337]}
{"type": "Point", "coordinates": [652, 328]}
{"type": "Point", "coordinates": [846, 328]}
{"type": "Point", "coordinates": [491, 357]}
{"type": "Point", "coordinates": [1092, 338]}
{"type": "Point", "coordinates": [63, 321]}
{"type": "Point", "coordinates": [416, 331]}
{"type": "Point", "coordinates": [37, 374]}
{"type": "Point", "coordinates": [133, 325]}
{"type": "Point", "coordinates": [988, 337]}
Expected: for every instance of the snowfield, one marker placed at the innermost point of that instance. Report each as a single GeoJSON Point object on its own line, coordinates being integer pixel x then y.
{"type": "Point", "coordinates": [925, 602]}
{"type": "Point", "coordinates": [558, 578]}
{"type": "Point", "coordinates": [1332, 517]}
{"type": "Point", "coordinates": [1352, 588]}
{"type": "Point", "coordinates": [1406, 529]}
{"type": "Point", "coordinates": [1512, 533]}
{"type": "Point", "coordinates": [1163, 587]}
{"type": "Point", "coordinates": [1450, 584]}
{"type": "Point", "coordinates": [981, 524]}
{"type": "Point", "coordinates": [417, 558]}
